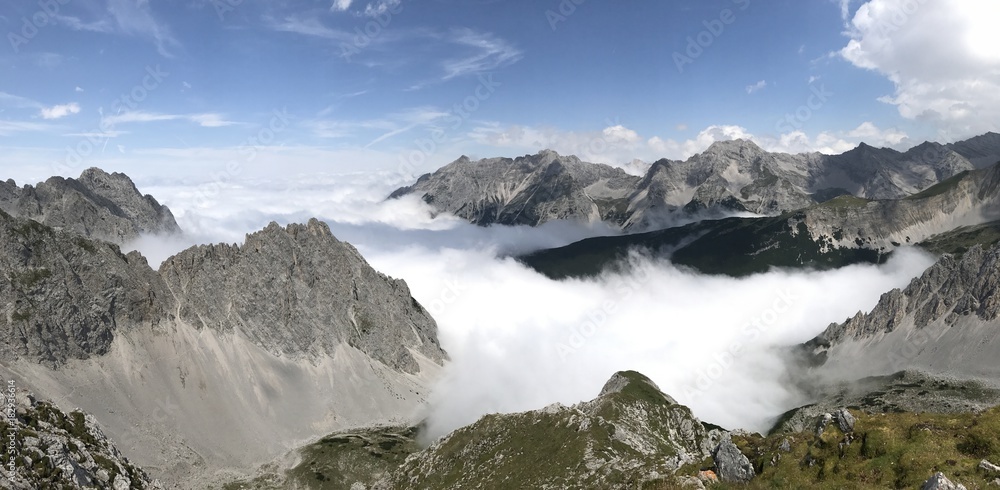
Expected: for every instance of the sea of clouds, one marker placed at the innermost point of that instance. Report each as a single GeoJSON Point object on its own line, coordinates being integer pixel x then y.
{"type": "Point", "coordinates": [520, 341]}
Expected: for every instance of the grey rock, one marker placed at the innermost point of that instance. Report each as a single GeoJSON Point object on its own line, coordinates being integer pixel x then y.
{"type": "Point", "coordinates": [68, 450]}
{"type": "Point", "coordinates": [845, 421]}
{"type": "Point", "coordinates": [989, 467]}
{"type": "Point", "coordinates": [728, 176]}
{"type": "Point", "coordinates": [631, 415]}
{"type": "Point", "coordinates": [97, 205]}
{"type": "Point", "coordinates": [528, 190]}
{"type": "Point", "coordinates": [63, 296]}
{"type": "Point", "coordinates": [732, 465]}
{"type": "Point", "coordinates": [298, 291]}
{"type": "Point", "coordinates": [785, 446]}
{"type": "Point", "coordinates": [928, 325]}
{"type": "Point", "coordinates": [982, 151]}
{"type": "Point", "coordinates": [940, 482]}
{"type": "Point", "coordinates": [822, 423]}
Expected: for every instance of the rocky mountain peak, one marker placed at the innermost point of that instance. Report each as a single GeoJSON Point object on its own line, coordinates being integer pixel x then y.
{"type": "Point", "coordinates": [99, 205]}
{"type": "Point", "coordinates": [634, 382]}
{"type": "Point", "coordinates": [299, 292]}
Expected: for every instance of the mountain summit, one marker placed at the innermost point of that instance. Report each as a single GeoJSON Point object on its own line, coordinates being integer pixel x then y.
{"type": "Point", "coordinates": [99, 205]}
{"type": "Point", "coordinates": [729, 176]}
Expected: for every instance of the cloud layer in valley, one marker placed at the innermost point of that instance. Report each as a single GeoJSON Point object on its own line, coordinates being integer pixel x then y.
{"type": "Point", "coordinates": [520, 341]}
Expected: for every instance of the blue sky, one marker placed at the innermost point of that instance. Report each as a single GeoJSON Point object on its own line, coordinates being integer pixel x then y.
{"type": "Point", "coordinates": [197, 87]}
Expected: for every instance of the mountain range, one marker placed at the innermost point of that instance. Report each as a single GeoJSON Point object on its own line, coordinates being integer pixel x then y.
{"type": "Point", "coordinates": [288, 361]}
{"type": "Point", "coordinates": [730, 176]}
{"type": "Point", "coordinates": [192, 367]}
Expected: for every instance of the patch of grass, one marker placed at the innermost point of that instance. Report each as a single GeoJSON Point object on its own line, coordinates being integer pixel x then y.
{"type": "Point", "coordinates": [941, 187]}
{"type": "Point", "coordinates": [844, 201]}
{"type": "Point", "coordinates": [960, 240]}
{"type": "Point", "coordinates": [890, 450]}
{"type": "Point", "coordinates": [30, 278]}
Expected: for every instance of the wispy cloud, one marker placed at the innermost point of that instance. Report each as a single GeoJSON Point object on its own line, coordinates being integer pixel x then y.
{"type": "Point", "coordinates": [340, 5]}
{"type": "Point", "coordinates": [10, 127]}
{"type": "Point", "coordinates": [128, 17]}
{"type": "Point", "coordinates": [309, 27]}
{"type": "Point", "coordinates": [208, 120]}
{"type": "Point", "coordinates": [75, 23]}
{"type": "Point", "coordinates": [491, 52]}
{"type": "Point", "coordinates": [12, 100]}
{"type": "Point", "coordinates": [756, 87]}
{"type": "Point", "coordinates": [60, 111]}
{"type": "Point", "coordinates": [134, 17]}
{"type": "Point", "coordinates": [374, 9]}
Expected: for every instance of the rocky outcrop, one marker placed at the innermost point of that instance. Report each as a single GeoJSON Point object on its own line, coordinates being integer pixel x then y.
{"type": "Point", "coordinates": [282, 338]}
{"type": "Point", "coordinates": [940, 482]}
{"type": "Point", "coordinates": [528, 190]}
{"type": "Point", "coordinates": [982, 151]}
{"type": "Point", "coordinates": [729, 176]}
{"type": "Point", "coordinates": [64, 296]}
{"type": "Point", "coordinates": [731, 465]}
{"type": "Point", "coordinates": [97, 205]}
{"type": "Point", "coordinates": [53, 449]}
{"type": "Point", "coordinates": [944, 321]}
{"type": "Point", "coordinates": [841, 231]}
{"type": "Point", "coordinates": [630, 434]}
{"type": "Point", "coordinates": [298, 291]}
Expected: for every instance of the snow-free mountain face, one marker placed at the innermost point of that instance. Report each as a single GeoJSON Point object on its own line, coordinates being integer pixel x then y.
{"type": "Point", "coordinates": [98, 205]}
{"type": "Point", "coordinates": [838, 232]}
{"type": "Point", "coordinates": [191, 369]}
{"type": "Point", "coordinates": [944, 322]}
{"type": "Point", "coordinates": [730, 176]}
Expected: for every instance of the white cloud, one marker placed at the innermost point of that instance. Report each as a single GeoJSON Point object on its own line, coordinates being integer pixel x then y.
{"type": "Point", "coordinates": [60, 111]}
{"type": "Point", "coordinates": [620, 133]}
{"type": "Point", "coordinates": [10, 127]}
{"type": "Point", "coordinates": [78, 89]}
{"type": "Point", "coordinates": [490, 53]}
{"type": "Point", "coordinates": [380, 7]}
{"type": "Point", "coordinates": [136, 18]}
{"type": "Point", "coordinates": [340, 5]}
{"type": "Point", "coordinates": [845, 9]}
{"type": "Point", "coordinates": [208, 120]}
{"type": "Point", "coordinates": [951, 81]}
{"type": "Point", "coordinates": [562, 340]}
{"type": "Point", "coordinates": [756, 87]}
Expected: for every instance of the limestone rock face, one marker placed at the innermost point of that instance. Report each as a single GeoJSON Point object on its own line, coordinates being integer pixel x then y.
{"type": "Point", "coordinates": [729, 176]}
{"type": "Point", "coordinates": [97, 205]}
{"type": "Point", "coordinates": [63, 296]}
{"type": "Point", "coordinates": [732, 466]}
{"type": "Point", "coordinates": [54, 449]}
{"type": "Point", "coordinates": [944, 321]}
{"type": "Point", "coordinates": [528, 190]}
{"type": "Point", "coordinates": [940, 482]}
{"type": "Point", "coordinates": [300, 291]}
